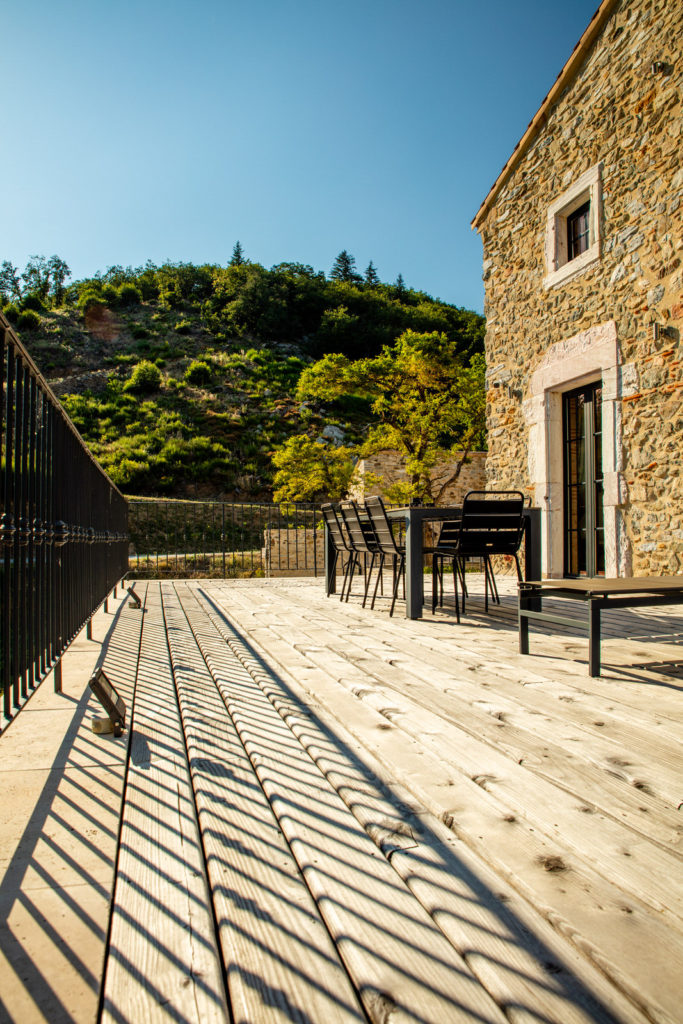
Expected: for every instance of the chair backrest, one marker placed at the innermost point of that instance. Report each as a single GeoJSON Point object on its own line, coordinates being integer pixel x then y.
{"type": "Point", "coordinates": [334, 526]}
{"type": "Point", "coordinates": [361, 539]}
{"type": "Point", "coordinates": [491, 523]}
{"type": "Point", "coordinates": [449, 533]}
{"type": "Point", "coordinates": [374, 506]}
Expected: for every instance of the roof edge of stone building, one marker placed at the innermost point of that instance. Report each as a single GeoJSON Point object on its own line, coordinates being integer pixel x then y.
{"type": "Point", "coordinates": [565, 76]}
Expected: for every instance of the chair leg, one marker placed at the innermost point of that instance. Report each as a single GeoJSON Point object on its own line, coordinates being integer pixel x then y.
{"type": "Point", "coordinates": [437, 581]}
{"type": "Point", "coordinates": [380, 571]}
{"type": "Point", "coordinates": [396, 583]}
{"type": "Point", "coordinates": [354, 563]}
{"type": "Point", "coordinates": [455, 590]}
{"type": "Point", "coordinates": [368, 578]}
{"type": "Point", "coordinates": [494, 586]}
{"type": "Point", "coordinates": [333, 571]}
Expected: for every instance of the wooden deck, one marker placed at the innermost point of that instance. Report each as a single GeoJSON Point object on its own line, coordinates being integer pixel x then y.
{"type": "Point", "coordinates": [330, 815]}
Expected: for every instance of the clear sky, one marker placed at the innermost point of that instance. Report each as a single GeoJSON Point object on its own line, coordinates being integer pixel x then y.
{"type": "Point", "coordinates": [141, 129]}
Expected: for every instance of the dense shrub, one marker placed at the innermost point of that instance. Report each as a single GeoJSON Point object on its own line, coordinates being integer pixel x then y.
{"type": "Point", "coordinates": [110, 294]}
{"type": "Point", "coordinates": [32, 301]}
{"type": "Point", "coordinates": [145, 377]}
{"type": "Point", "coordinates": [129, 295]}
{"type": "Point", "coordinates": [183, 327]}
{"type": "Point", "coordinates": [198, 372]}
{"type": "Point", "coordinates": [139, 332]}
{"type": "Point", "coordinates": [87, 300]}
{"type": "Point", "coordinates": [29, 320]}
{"type": "Point", "coordinates": [11, 311]}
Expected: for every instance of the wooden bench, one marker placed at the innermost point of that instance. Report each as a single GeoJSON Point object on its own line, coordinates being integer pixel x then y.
{"type": "Point", "coordinates": [597, 594]}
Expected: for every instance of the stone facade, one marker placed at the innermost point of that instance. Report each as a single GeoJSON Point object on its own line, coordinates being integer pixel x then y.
{"type": "Point", "coordinates": [390, 467]}
{"type": "Point", "coordinates": [612, 126]}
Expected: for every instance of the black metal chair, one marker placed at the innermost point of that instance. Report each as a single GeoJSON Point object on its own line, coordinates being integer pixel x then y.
{"type": "Point", "coordinates": [363, 542]}
{"type": "Point", "coordinates": [491, 523]}
{"type": "Point", "coordinates": [340, 543]}
{"type": "Point", "coordinates": [388, 547]}
{"type": "Point", "coordinates": [446, 545]}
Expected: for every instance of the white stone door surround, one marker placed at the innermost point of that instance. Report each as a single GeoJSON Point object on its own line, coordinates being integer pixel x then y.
{"type": "Point", "coordinates": [589, 356]}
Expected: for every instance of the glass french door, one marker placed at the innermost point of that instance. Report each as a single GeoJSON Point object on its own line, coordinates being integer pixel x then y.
{"type": "Point", "coordinates": [584, 528]}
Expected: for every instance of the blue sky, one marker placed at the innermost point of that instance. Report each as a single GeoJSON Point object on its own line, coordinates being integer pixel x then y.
{"type": "Point", "coordinates": [136, 130]}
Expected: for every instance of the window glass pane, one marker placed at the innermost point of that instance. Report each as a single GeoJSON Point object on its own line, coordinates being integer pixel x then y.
{"type": "Point", "coordinates": [578, 231]}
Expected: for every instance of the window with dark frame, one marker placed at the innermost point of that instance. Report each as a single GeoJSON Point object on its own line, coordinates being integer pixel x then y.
{"type": "Point", "coordinates": [578, 231]}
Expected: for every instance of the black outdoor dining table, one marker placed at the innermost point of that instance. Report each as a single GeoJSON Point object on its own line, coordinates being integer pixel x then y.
{"type": "Point", "coordinates": [414, 517]}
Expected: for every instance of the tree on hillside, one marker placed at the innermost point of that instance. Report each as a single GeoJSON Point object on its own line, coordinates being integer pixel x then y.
{"type": "Point", "coordinates": [427, 403]}
{"type": "Point", "coordinates": [371, 275]}
{"type": "Point", "coordinates": [344, 269]}
{"type": "Point", "coordinates": [309, 470]}
{"type": "Point", "coordinates": [237, 259]}
{"type": "Point", "coordinates": [46, 278]}
{"type": "Point", "coordinates": [59, 275]}
{"type": "Point", "coordinates": [10, 280]}
{"type": "Point", "coordinates": [400, 286]}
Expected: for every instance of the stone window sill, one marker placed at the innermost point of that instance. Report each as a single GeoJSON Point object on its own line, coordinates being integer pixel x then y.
{"type": "Point", "coordinates": [573, 268]}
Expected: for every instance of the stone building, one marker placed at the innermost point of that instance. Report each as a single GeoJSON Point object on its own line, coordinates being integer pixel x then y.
{"type": "Point", "coordinates": [583, 243]}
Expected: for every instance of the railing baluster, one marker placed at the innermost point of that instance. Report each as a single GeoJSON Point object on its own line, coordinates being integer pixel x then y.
{"type": "Point", "coordinates": [63, 528]}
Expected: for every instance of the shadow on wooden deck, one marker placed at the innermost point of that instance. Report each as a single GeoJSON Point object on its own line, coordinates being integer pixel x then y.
{"type": "Point", "coordinates": [333, 816]}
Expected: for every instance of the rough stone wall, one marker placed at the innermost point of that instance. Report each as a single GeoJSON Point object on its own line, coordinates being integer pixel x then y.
{"type": "Point", "coordinates": [390, 466]}
{"type": "Point", "coordinates": [290, 552]}
{"type": "Point", "coordinates": [94, 380]}
{"type": "Point", "coordinates": [620, 113]}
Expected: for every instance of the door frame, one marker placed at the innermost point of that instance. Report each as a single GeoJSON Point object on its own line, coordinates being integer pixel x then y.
{"type": "Point", "coordinates": [563, 366]}
{"type": "Point", "coordinates": [590, 471]}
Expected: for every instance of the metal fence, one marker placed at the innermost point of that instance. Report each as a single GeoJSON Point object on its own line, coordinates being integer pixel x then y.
{"type": "Point", "coordinates": [63, 528]}
{"type": "Point", "coordinates": [182, 539]}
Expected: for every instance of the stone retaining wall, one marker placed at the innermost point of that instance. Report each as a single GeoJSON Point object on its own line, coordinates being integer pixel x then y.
{"type": "Point", "coordinates": [294, 552]}
{"type": "Point", "coordinates": [389, 465]}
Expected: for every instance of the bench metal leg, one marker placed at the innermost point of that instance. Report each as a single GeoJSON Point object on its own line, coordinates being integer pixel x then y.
{"type": "Point", "coordinates": [594, 638]}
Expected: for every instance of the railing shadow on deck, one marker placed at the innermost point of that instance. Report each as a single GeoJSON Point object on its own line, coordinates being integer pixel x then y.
{"type": "Point", "coordinates": [55, 889]}
{"type": "Point", "coordinates": [477, 908]}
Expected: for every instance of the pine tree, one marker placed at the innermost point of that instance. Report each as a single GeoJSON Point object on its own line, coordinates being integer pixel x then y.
{"type": "Point", "coordinates": [371, 276]}
{"type": "Point", "coordinates": [238, 259]}
{"type": "Point", "coordinates": [344, 268]}
{"type": "Point", "coordinates": [400, 285]}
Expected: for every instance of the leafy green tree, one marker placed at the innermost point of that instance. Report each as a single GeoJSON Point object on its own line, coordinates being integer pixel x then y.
{"type": "Point", "coordinates": [427, 403]}
{"type": "Point", "coordinates": [10, 281]}
{"type": "Point", "coordinates": [371, 275]}
{"type": "Point", "coordinates": [46, 278]}
{"type": "Point", "coordinates": [36, 276]}
{"type": "Point", "coordinates": [59, 274]}
{"type": "Point", "coordinates": [309, 470]}
{"type": "Point", "coordinates": [237, 259]}
{"type": "Point", "coordinates": [344, 269]}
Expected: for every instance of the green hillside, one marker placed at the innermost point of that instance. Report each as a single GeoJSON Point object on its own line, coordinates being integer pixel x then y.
{"type": "Point", "coordinates": [181, 378]}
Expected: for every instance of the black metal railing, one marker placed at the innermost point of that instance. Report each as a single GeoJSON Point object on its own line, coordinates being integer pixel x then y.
{"type": "Point", "coordinates": [63, 529]}
{"type": "Point", "coordinates": [224, 539]}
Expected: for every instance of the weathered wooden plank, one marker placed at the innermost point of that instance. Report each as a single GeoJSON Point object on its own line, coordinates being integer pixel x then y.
{"type": "Point", "coordinates": [280, 961]}
{"type": "Point", "coordinates": [163, 962]}
{"type": "Point", "coordinates": [588, 909]}
{"type": "Point", "coordinates": [398, 959]}
{"type": "Point", "coordinates": [510, 955]}
{"type": "Point", "coordinates": [620, 854]}
{"type": "Point", "coordinates": [646, 761]}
